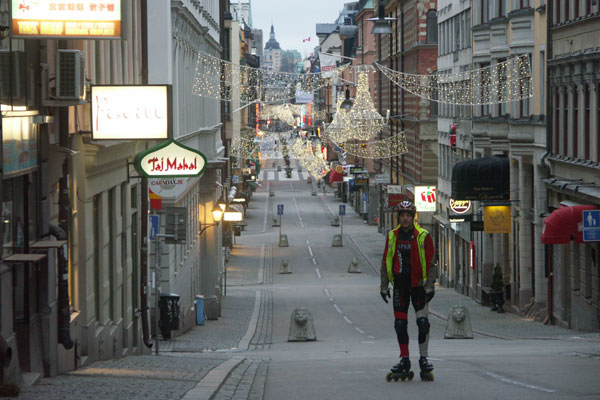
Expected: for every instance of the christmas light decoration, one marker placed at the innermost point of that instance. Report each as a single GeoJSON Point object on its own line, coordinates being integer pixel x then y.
{"type": "Point", "coordinates": [387, 147]}
{"type": "Point", "coordinates": [503, 82]}
{"type": "Point", "coordinates": [224, 80]}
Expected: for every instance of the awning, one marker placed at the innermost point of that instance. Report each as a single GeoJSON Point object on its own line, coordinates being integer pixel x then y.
{"type": "Point", "coordinates": [562, 225]}
{"type": "Point", "coordinates": [485, 178]}
{"type": "Point", "coordinates": [336, 174]}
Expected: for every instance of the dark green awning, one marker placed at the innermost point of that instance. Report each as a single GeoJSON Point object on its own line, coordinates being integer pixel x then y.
{"type": "Point", "coordinates": [253, 184]}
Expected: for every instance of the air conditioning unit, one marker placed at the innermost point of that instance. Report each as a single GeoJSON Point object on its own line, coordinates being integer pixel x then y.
{"type": "Point", "coordinates": [70, 75]}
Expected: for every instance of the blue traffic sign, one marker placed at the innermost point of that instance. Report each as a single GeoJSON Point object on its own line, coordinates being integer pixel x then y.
{"type": "Point", "coordinates": [279, 209]}
{"type": "Point", "coordinates": [342, 209]}
{"type": "Point", "coordinates": [154, 226]}
{"type": "Point", "coordinates": [591, 225]}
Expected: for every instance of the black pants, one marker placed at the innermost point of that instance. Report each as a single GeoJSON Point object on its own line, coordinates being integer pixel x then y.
{"type": "Point", "coordinates": [404, 293]}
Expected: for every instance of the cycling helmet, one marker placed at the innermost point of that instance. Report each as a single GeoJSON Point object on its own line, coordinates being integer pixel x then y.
{"type": "Point", "coordinates": [407, 206]}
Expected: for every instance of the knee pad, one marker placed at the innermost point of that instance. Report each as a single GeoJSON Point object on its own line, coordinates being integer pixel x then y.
{"type": "Point", "coordinates": [423, 324]}
{"type": "Point", "coordinates": [401, 325]}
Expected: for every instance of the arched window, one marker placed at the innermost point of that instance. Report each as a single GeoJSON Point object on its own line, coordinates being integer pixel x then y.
{"type": "Point", "coordinates": [432, 36]}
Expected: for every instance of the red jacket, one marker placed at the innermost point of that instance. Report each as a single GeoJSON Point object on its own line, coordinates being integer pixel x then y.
{"type": "Point", "coordinates": [416, 270]}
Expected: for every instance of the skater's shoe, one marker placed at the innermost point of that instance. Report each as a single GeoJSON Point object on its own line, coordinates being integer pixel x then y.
{"type": "Point", "coordinates": [400, 371]}
{"type": "Point", "coordinates": [426, 368]}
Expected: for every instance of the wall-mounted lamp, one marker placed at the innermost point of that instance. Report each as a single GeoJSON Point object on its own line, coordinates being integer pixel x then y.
{"type": "Point", "coordinates": [217, 213]}
{"type": "Point", "coordinates": [381, 25]}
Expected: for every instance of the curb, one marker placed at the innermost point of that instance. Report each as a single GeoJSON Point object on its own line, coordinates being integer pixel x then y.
{"type": "Point", "coordinates": [212, 382]}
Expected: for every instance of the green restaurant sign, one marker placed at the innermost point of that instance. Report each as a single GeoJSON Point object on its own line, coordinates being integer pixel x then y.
{"type": "Point", "coordinates": [170, 159]}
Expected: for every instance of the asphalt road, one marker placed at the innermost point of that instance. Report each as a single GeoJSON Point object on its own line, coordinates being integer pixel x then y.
{"type": "Point", "coordinates": [356, 343]}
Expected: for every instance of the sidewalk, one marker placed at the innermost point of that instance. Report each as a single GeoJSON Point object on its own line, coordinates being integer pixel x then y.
{"type": "Point", "coordinates": [370, 243]}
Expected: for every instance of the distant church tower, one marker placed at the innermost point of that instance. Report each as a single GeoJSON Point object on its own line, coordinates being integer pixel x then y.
{"type": "Point", "coordinates": [272, 53]}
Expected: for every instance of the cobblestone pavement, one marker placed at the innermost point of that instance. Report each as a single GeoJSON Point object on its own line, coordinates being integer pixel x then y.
{"type": "Point", "coordinates": [135, 377]}
{"type": "Point", "coordinates": [247, 381]}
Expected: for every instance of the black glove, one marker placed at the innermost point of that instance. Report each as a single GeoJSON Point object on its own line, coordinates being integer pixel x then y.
{"type": "Point", "coordinates": [385, 295]}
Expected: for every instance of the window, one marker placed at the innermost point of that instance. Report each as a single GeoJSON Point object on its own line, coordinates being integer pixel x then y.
{"type": "Point", "coordinates": [587, 7]}
{"type": "Point", "coordinates": [575, 116]}
{"type": "Point", "coordinates": [558, 7]}
{"type": "Point", "coordinates": [502, 89]}
{"type": "Point", "coordinates": [524, 3]}
{"type": "Point", "coordinates": [567, 10]}
{"type": "Point", "coordinates": [483, 8]}
{"type": "Point", "coordinates": [586, 122]}
{"type": "Point", "coordinates": [501, 8]}
{"type": "Point", "coordinates": [557, 121]}
{"type": "Point", "coordinates": [542, 86]}
{"type": "Point", "coordinates": [432, 36]}
{"type": "Point", "coordinates": [565, 122]}
{"type": "Point", "coordinates": [575, 9]}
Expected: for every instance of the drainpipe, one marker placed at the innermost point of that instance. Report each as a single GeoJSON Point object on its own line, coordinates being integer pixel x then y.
{"type": "Point", "coordinates": [64, 315]}
{"type": "Point", "coordinates": [144, 195]}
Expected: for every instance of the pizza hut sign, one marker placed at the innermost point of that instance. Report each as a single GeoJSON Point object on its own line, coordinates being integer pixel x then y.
{"type": "Point", "coordinates": [169, 160]}
{"type": "Point", "coordinates": [460, 206]}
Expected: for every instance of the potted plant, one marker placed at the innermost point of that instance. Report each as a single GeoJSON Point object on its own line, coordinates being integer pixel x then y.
{"type": "Point", "coordinates": [497, 290]}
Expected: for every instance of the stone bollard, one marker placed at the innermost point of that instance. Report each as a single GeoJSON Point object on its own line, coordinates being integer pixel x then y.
{"type": "Point", "coordinates": [279, 168]}
{"type": "Point", "coordinates": [302, 326]}
{"type": "Point", "coordinates": [335, 221]}
{"type": "Point", "coordinates": [276, 221]}
{"type": "Point", "coordinates": [337, 240]}
{"type": "Point", "coordinates": [283, 241]}
{"type": "Point", "coordinates": [284, 267]}
{"type": "Point", "coordinates": [353, 267]}
{"type": "Point", "coordinates": [271, 192]}
{"type": "Point", "coordinates": [313, 192]}
{"type": "Point", "coordinates": [309, 180]}
{"type": "Point", "coordinates": [299, 169]}
{"type": "Point", "coordinates": [458, 324]}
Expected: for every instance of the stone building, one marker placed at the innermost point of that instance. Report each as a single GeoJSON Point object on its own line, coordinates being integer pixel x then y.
{"type": "Point", "coordinates": [272, 53]}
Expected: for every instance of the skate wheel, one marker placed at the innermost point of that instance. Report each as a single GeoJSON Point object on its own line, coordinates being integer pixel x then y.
{"type": "Point", "coordinates": [388, 377]}
{"type": "Point", "coordinates": [427, 376]}
{"type": "Point", "coordinates": [402, 378]}
{"type": "Point", "coordinates": [411, 375]}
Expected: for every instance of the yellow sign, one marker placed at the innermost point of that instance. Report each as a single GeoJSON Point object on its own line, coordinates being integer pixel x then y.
{"type": "Point", "coordinates": [63, 18]}
{"type": "Point", "coordinates": [496, 219]}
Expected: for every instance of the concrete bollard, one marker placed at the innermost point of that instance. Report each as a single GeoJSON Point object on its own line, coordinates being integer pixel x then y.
{"type": "Point", "coordinates": [335, 221]}
{"type": "Point", "coordinates": [458, 324]}
{"type": "Point", "coordinates": [337, 240]}
{"type": "Point", "coordinates": [353, 267]}
{"type": "Point", "coordinates": [283, 241]}
{"type": "Point", "coordinates": [299, 169]}
{"type": "Point", "coordinates": [276, 221]}
{"type": "Point", "coordinates": [284, 267]}
{"type": "Point", "coordinates": [309, 180]}
{"type": "Point", "coordinates": [271, 192]}
{"type": "Point", "coordinates": [313, 192]}
{"type": "Point", "coordinates": [302, 326]}
{"type": "Point", "coordinates": [279, 168]}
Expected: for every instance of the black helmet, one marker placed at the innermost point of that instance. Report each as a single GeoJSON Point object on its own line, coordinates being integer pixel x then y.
{"type": "Point", "coordinates": [407, 206]}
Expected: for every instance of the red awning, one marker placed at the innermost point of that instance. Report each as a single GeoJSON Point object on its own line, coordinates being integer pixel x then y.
{"type": "Point", "coordinates": [562, 225]}
{"type": "Point", "coordinates": [336, 174]}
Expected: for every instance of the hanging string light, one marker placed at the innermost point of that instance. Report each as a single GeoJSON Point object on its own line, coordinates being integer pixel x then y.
{"type": "Point", "coordinates": [224, 80]}
{"type": "Point", "coordinates": [391, 146]}
{"type": "Point", "coordinates": [503, 82]}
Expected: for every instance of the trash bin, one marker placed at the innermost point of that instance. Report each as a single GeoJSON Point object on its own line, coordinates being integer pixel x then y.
{"type": "Point", "coordinates": [199, 310]}
{"type": "Point", "coordinates": [169, 314]}
{"type": "Point", "coordinates": [212, 307]}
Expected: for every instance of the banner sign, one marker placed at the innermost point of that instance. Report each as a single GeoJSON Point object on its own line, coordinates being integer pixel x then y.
{"type": "Point", "coordinates": [84, 19]}
{"type": "Point", "coordinates": [131, 112]}
{"type": "Point", "coordinates": [496, 219]}
{"type": "Point", "coordinates": [395, 195]}
{"type": "Point", "coordinates": [460, 207]}
{"type": "Point", "coordinates": [425, 198]}
{"type": "Point", "coordinates": [170, 160]}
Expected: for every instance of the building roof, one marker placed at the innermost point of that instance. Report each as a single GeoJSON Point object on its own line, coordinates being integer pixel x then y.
{"type": "Point", "coordinates": [325, 29]}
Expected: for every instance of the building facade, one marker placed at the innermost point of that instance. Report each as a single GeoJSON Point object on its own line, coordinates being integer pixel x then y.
{"type": "Point", "coordinates": [272, 53]}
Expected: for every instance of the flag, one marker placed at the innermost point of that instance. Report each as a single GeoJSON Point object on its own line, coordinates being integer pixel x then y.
{"type": "Point", "coordinates": [306, 40]}
{"type": "Point", "coordinates": [155, 200]}
{"type": "Point", "coordinates": [328, 63]}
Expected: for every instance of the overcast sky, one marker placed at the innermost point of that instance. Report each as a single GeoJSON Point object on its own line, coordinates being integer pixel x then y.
{"type": "Point", "coordinates": [294, 20]}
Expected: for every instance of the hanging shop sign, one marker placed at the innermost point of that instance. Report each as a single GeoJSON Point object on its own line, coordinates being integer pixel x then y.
{"type": "Point", "coordinates": [460, 207]}
{"type": "Point", "coordinates": [170, 160]}
{"type": "Point", "coordinates": [425, 198]}
{"type": "Point", "coordinates": [131, 112]}
{"type": "Point", "coordinates": [496, 219]}
{"type": "Point", "coordinates": [168, 187]}
{"type": "Point", "coordinates": [84, 19]}
{"type": "Point", "coordinates": [395, 195]}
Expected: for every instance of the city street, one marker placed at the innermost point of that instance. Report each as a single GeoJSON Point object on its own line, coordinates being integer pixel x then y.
{"type": "Point", "coordinates": [246, 353]}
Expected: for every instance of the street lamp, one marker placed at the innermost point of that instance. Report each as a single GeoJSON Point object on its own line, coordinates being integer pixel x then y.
{"type": "Point", "coordinates": [381, 25]}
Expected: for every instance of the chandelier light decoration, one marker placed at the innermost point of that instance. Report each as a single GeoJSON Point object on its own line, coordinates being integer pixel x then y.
{"type": "Point", "coordinates": [224, 80]}
{"type": "Point", "coordinates": [363, 120]}
{"type": "Point", "coordinates": [503, 82]}
{"type": "Point", "coordinates": [387, 147]}
{"type": "Point", "coordinates": [311, 158]}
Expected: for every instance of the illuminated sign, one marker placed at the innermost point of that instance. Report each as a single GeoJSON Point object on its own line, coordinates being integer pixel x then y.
{"type": "Point", "coordinates": [425, 198]}
{"type": "Point", "coordinates": [460, 206]}
{"type": "Point", "coordinates": [496, 219]}
{"type": "Point", "coordinates": [131, 112]}
{"type": "Point", "coordinates": [85, 19]}
{"type": "Point", "coordinates": [170, 160]}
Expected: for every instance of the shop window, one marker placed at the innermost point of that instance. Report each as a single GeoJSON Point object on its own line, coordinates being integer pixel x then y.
{"type": "Point", "coordinates": [432, 36]}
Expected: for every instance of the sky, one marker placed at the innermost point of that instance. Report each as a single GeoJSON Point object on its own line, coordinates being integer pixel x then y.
{"type": "Point", "coordinates": [294, 20]}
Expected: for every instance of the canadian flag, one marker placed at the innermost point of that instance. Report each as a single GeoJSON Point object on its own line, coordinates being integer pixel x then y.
{"type": "Point", "coordinates": [306, 40]}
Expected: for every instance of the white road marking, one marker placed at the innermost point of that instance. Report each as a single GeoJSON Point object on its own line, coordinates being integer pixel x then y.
{"type": "Point", "coordinates": [358, 329]}
{"type": "Point", "coordinates": [314, 261]}
{"type": "Point", "coordinates": [318, 273]}
{"type": "Point", "coordinates": [310, 251]}
{"type": "Point", "coordinates": [327, 292]}
{"type": "Point", "coordinates": [348, 320]}
{"type": "Point", "coordinates": [298, 212]}
{"type": "Point", "coordinates": [371, 337]}
{"type": "Point", "coordinates": [517, 383]}
{"type": "Point", "coordinates": [338, 309]}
